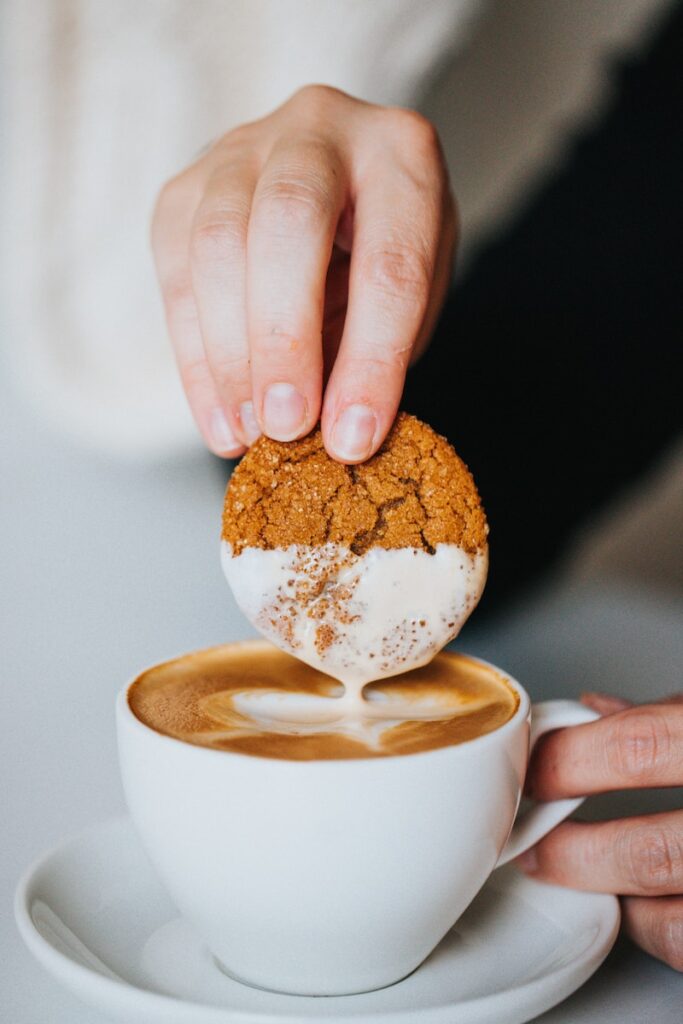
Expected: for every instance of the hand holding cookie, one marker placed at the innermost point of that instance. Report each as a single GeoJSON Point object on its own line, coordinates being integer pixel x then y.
{"type": "Point", "coordinates": [314, 245]}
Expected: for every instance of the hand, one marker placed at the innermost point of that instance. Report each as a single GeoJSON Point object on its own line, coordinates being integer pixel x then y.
{"type": "Point", "coordinates": [315, 243]}
{"type": "Point", "coordinates": [640, 858]}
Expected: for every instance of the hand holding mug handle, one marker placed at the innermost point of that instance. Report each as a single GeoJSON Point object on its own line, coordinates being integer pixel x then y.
{"type": "Point", "coordinates": [542, 818]}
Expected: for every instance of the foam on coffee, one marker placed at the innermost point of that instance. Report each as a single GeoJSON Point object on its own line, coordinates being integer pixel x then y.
{"type": "Point", "coordinates": [253, 699]}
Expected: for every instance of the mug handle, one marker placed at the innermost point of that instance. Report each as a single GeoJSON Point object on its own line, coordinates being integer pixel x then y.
{"type": "Point", "coordinates": [542, 818]}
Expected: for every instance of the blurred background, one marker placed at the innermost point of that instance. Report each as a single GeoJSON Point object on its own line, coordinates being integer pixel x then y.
{"type": "Point", "coordinates": [554, 370]}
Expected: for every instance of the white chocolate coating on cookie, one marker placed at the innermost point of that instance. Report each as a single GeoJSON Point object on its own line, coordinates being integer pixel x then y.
{"type": "Point", "coordinates": [358, 618]}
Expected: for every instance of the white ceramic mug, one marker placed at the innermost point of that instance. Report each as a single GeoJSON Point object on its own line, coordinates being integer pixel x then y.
{"type": "Point", "coordinates": [333, 877]}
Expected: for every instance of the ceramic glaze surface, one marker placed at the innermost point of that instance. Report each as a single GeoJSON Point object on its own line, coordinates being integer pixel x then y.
{"type": "Point", "coordinates": [330, 877]}
{"type": "Point", "coordinates": [140, 963]}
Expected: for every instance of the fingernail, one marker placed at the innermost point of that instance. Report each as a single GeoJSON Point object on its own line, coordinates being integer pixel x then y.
{"type": "Point", "coordinates": [284, 412]}
{"type": "Point", "coordinates": [250, 427]}
{"type": "Point", "coordinates": [222, 438]}
{"type": "Point", "coordinates": [528, 861]}
{"type": "Point", "coordinates": [354, 433]}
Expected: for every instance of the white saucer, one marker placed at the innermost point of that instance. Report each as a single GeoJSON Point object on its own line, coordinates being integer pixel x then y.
{"type": "Point", "coordinates": [95, 916]}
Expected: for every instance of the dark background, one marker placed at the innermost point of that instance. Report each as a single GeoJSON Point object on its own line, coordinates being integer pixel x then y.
{"type": "Point", "coordinates": [569, 325]}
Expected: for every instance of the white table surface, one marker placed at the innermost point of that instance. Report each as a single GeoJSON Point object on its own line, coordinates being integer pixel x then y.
{"type": "Point", "coordinates": [107, 567]}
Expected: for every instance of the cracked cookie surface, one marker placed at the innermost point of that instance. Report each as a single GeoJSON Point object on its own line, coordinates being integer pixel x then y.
{"type": "Point", "coordinates": [415, 492]}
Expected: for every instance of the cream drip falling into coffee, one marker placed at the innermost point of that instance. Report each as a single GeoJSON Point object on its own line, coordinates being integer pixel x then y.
{"type": "Point", "coordinates": [358, 618]}
{"type": "Point", "coordinates": [361, 572]}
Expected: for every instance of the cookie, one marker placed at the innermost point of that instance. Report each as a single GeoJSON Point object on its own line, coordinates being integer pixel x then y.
{"type": "Point", "coordinates": [362, 571]}
{"type": "Point", "coordinates": [415, 492]}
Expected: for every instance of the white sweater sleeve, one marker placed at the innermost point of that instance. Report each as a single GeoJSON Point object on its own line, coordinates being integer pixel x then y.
{"type": "Point", "coordinates": [102, 102]}
{"type": "Point", "coordinates": [105, 101]}
{"type": "Point", "coordinates": [383, 50]}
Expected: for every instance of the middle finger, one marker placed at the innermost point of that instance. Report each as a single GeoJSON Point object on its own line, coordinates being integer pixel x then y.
{"type": "Point", "coordinates": [296, 208]}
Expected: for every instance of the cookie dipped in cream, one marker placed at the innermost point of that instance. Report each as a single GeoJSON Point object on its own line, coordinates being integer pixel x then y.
{"type": "Point", "coordinates": [363, 572]}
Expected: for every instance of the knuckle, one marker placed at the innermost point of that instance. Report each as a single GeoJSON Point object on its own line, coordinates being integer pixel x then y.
{"type": "Point", "coordinates": [196, 376]}
{"type": "Point", "coordinates": [415, 128]}
{"type": "Point", "coordinates": [237, 139]}
{"type": "Point", "coordinates": [671, 936]}
{"type": "Point", "coordinates": [654, 858]}
{"type": "Point", "coordinates": [292, 205]}
{"type": "Point", "coordinates": [315, 98]}
{"type": "Point", "coordinates": [230, 372]}
{"type": "Point", "coordinates": [217, 238]}
{"type": "Point", "coordinates": [372, 369]}
{"type": "Point", "coordinates": [639, 746]}
{"type": "Point", "coordinates": [179, 298]}
{"type": "Point", "coordinates": [401, 273]}
{"type": "Point", "coordinates": [278, 344]}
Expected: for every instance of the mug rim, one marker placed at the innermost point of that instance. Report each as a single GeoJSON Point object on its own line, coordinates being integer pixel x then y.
{"type": "Point", "coordinates": [125, 714]}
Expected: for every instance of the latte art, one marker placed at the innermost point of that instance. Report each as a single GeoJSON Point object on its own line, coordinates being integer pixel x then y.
{"type": "Point", "coordinates": [255, 699]}
{"type": "Point", "coordinates": [270, 711]}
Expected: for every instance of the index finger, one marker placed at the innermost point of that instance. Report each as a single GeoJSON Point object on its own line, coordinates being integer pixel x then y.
{"type": "Point", "coordinates": [632, 749]}
{"type": "Point", "coordinates": [394, 259]}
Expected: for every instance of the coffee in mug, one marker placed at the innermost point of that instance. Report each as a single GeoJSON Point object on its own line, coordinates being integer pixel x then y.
{"type": "Point", "coordinates": [254, 699]}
